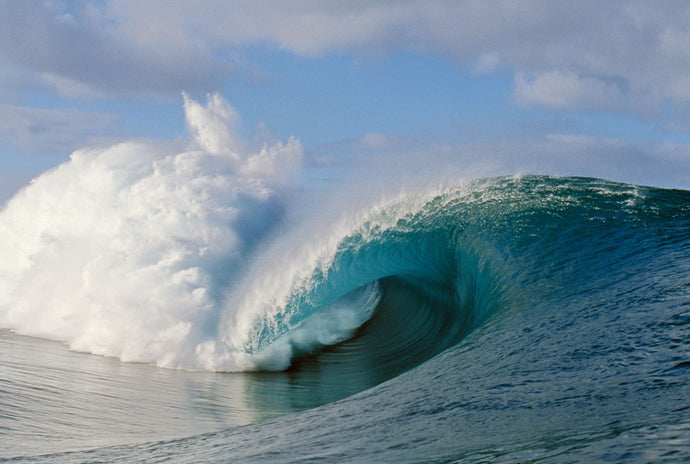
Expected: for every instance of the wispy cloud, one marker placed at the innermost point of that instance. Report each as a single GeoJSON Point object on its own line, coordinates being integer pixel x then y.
{"type": "Point", "coordinates": [55, 131]}
{"type": "Point", "coordinates": [567, 90]}
{"type": "Point", "coordinates": [663, 164]}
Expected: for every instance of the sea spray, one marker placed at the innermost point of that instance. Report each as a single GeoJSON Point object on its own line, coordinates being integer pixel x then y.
{"type": "Point", "coordinates": [129, 250]}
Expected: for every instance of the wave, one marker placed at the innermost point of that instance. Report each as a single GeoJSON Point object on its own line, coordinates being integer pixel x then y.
{"type": "Point", "coordinates": [181, 256]}
{"type": "Point", "coordinates": [540, 299]}
{"type": "Point", "coordinates": [188, 258]}
{"type": "Point", "coordinates": [407, 262]}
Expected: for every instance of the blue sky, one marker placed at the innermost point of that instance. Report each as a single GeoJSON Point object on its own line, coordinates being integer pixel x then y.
{"type": "Point", "coordinates": [605, 83]}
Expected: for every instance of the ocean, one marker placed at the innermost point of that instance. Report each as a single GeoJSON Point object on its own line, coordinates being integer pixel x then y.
{"type": "Point", "coordinates": [160, 307]}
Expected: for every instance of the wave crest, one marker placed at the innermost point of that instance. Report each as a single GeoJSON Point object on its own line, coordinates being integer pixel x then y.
{"type": "Point", "coordinates": [182, 257]}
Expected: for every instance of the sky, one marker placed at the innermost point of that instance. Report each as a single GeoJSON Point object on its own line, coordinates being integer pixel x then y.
{"type": "Point", "coordinates": [569, 88]}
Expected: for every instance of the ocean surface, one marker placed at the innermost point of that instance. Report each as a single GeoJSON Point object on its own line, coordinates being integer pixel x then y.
{"type": "Point", "coordinates": [201, 302]}
{"type": "Point", "coordinates": [512, 319]}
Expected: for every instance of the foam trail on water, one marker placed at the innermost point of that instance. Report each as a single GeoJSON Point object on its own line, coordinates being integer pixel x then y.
{"type": "Point", "coordinates": [129, 250]}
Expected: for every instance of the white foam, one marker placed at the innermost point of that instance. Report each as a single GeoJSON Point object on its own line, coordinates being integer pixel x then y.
{"type": "Point", "coordinates": [128, 250]}
{"type": "Point", "coordinates": [334, 323]}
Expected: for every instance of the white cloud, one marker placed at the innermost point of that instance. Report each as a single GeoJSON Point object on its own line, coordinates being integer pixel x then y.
{"type": "Point", "coordinates": [57, 131]}
{"type": "Point", "coordinates": [487, 63]}
{"type": "Point", "coordinates": [630, 55]}
{"type": "Point", "coordinates": [85, 53]}
{"type": "Point", "coordinates": [557, 89]}
{"type": "Point", "coordinates": [70, 88]}
{"type": "Point", "coordinates": [661, 164]}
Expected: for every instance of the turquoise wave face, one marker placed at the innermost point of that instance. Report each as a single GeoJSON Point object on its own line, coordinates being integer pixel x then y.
{"type": "Point", "coordinates": [443, 266]}
{"type": "Point", "coordinates": [425, 253]}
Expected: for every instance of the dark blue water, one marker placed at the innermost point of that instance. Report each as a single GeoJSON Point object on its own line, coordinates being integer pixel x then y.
{"type": "Point", "coordinates": [528, 319]}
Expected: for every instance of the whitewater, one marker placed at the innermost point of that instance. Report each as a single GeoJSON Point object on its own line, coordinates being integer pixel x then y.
{"type": "Point", "coordinates": [202, 301]}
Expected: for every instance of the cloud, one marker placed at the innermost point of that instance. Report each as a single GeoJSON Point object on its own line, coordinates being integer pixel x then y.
{"type": "Point", "coordinates": [662, 164]}
{"type": "Point", "coordinates": [676, 126]}
{"type": "Point", "coordinates": [599, 47]}
{"type": "Point", "coordinates": [44, 131]}
{"type": "Point", "coordinates": [373, 143]}
{"type": "Point", "coordinates": [487, 63]}
{"type": "Point", "coordinates": [631, 56]}
{"type": "Point", "coordinates": [557, 89]}
{"type": "Point", "coordinates": [84, 53]}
